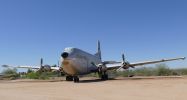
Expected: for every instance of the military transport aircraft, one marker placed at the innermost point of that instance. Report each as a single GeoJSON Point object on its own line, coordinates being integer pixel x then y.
{"type": "Point", "coordinates": [40, 67]}
{"type": "Point", "coordinates": [77, 62]}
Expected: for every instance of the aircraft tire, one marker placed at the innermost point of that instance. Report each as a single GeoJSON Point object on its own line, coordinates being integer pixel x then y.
{"type": "Point", "coordinates": [76, 79]}
{"type": "Point", "coordinates": [104, 77]}
{"type": "Point", "coordinates": [69, 78]}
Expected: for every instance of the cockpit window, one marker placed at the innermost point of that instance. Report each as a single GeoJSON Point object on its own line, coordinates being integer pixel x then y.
{"type": "Point", "coordinates": [64, 55]}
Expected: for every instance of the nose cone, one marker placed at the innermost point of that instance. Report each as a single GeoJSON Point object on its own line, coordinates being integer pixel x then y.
{"type": "Point", "coordinates": [65, 55]}
{"type": "Point", "coordinates": [69, 67]}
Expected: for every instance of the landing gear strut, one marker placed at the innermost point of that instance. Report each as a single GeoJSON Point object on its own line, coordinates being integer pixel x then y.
{"type": "Point", "coordinates": [69, 78]}
{"type": "Point", "coordinates": [103, 76]}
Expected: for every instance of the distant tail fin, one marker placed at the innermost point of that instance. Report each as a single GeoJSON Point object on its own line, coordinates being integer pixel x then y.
{"type": "Point", "coordinates": [98, 54]}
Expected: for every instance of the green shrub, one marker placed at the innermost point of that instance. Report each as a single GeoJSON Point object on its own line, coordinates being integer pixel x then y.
{"type": "Point", "coordinates": [9, 71]}
{"type": "Point", "coordinates": [181, 71]}
{"type": "Point", "coordinates": [158, 70]}
{"type": "Point", "coordinates": [44, 75]}
{"type": "Point", "coordinates": [144, 71]}
{"type": "Point", "coordinates": [41, 75]}
{"type": "Point", "coordinates": [32, 75]}
{"type": "Point", "coordinates": [163, 70]}
{"type": "Point", "coordinates": [29, 71]}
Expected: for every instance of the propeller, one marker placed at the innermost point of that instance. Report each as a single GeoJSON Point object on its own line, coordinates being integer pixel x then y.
{"type": "Point", "coordinates": [123, 58]}
{"type": "Point", "coordinates": [125, 64]}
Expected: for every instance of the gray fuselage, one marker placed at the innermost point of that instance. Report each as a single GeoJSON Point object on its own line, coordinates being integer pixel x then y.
{"type": "Point", "coordinates": [79, 62]}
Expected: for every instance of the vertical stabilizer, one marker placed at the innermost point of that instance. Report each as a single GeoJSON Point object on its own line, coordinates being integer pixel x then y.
{"type": "Point", "coordinates": [98, 54]}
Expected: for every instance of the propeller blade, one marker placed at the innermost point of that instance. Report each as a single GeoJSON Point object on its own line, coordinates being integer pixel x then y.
{"type": "Point", "coordinates": [41, 62]}
{"type": "Point", "coordinates": [6, 66]}
{"type": "Point", "coordinates": [119, 68]}
{"type": "Point", "coordinates": [123, 57]}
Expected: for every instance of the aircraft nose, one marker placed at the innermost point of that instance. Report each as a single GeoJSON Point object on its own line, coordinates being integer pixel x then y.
{"type": "Point", "coordinates": [64, 55]}
{"type": "Point", "coordinates": [65, 63]}
{"type": "Point", "coordinates": [68, 67]}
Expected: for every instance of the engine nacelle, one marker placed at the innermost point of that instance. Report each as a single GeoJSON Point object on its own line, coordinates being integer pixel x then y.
{"type": "Point", "coordinates": [102, 68]}
{"type": "Point", "coordinates": [126, 65]}
{"type": "Point", "coordinates": [46, 67]}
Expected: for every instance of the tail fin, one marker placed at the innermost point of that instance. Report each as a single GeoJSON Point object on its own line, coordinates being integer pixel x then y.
{"type": "Point", "coordinates": [98, 54]}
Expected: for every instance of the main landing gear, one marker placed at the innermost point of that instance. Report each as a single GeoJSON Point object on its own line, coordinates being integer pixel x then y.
{"type": "Point", "coordinates": [72, 78]}
{"type": "Point", "coordinates": [103, 76]}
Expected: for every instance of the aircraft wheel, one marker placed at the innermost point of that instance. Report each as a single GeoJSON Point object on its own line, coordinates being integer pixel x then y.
{"type": "Point", "coordinates": [69, 78]}
{"type": "Point", "coordinates": [104, 77]}
{"type": "Point", "coordinates": [76, 79]}
{"type": "Point", "coordinates": [130, 75]}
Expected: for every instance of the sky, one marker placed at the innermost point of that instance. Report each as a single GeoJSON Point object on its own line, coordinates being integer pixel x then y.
{"type": "Point", "coordinates": [142, 29]}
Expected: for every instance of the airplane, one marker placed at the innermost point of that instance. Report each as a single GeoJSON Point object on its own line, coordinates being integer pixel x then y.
{"type": "Point", "coordinates": [40, 67]}
{"type": "Point", "coordinates": [76, 62]}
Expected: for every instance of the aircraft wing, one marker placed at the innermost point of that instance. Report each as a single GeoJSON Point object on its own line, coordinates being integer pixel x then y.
{"type": "Point", "coordinates": [55, 68]}
{"type": "Point", "coordinates": [29, 67]}
{"type": "Point", "coordinates": [38, 67]}
{"type": "Point", "coordinates": [126, 66]}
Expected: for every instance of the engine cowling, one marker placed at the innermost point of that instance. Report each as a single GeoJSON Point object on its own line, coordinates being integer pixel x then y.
{"type": "Point", "coordinates": [126, 65]}
{"type": "Point", "coordinates": [102, 68]}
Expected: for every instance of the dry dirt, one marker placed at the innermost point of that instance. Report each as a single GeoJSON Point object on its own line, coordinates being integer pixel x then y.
{"type": "Point", "coordinates": [147, 88]}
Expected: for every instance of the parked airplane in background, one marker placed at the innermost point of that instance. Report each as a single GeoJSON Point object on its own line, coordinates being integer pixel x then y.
{"type": "Point", "coordinates": [40, 67]}
{"type": "Point", "coordinates": [78, 62]}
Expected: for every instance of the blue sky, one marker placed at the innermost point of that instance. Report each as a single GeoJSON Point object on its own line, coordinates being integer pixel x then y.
{"type": "Point", "coordinates": [143, 29]}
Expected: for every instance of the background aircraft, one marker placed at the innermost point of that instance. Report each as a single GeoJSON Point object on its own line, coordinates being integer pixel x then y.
{"type": "Point", "coordinates": [78, 62]}
{"type": "Point", "coordinates": [40, 67]}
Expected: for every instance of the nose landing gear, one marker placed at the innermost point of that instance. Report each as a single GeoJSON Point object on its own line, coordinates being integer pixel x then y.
{"type": "Point", "coordinates": [72, 78]}
{"type": "Point", "coordinates": [76, 79]}
{"type": "Point", "coordinates": [69, 78]}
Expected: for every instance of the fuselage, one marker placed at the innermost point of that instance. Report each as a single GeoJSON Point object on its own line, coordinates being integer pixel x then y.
{"type": "Point", "coordinates": [79, 62]}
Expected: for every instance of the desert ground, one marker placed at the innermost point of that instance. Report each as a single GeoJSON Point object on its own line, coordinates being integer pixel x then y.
{"type": "Point", "coordinates": [137, 88]}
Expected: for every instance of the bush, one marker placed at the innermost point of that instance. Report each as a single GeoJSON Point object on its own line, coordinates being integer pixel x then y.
{"type": "Point", "coordinates": [163, 70]}
{"type": "Point", "coordinates": [37, 75]}
{"type": "Point", "coordinates": [41, 75]}
{"type": "Point", "coordinates": [158, 70]}
{"type": "Point", "coordinates": [144, 71]}
{"type": "Point", "coordinates": [32, 75]}
{"type": "Point", "coordinates": [29, 71]}
{"type": "Point", "coordinates": [181, 71]}
{"type": "Point", "coordinates": [10, 73]}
